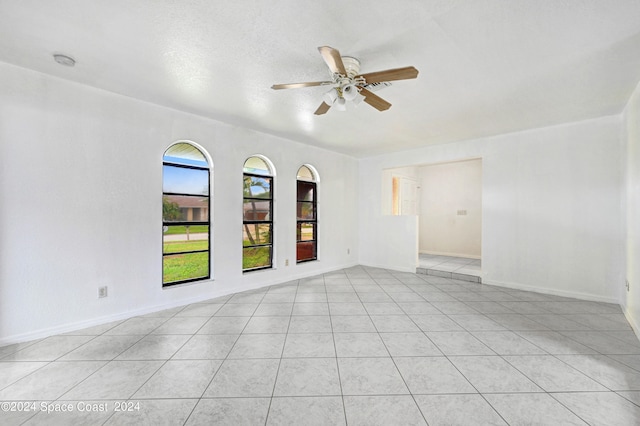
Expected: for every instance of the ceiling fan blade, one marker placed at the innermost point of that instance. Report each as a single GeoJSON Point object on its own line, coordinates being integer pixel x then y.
{"type": "Point", "coordinates": [299, 85]}
{"type": "Point", "coordinates": [374, 100]}
{"type": "Point", "coordinates": [333, 59]}
{"type": "Point", "coordinates": [322, 109]}
{"type": "Point", "coordinates": [391, 75]}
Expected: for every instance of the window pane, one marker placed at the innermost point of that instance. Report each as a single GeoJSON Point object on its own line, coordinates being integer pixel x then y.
{"type": "Point", "coordinates": [180, 267]}
{"type": "Point", "coordinates": [256, 234]}
{"type": "Point", "coordinates": [257, 210]}
{"type": "Point", "coordinates": [304, 173]}
{"type": "Point", "coordinates": [185, 208]}
{"type": "Point", "coordinates": [306, 231]}
{"type": "Point", "coordinates": [177, 239]}
{"type": "Point", "coordinates": [256, 165]}
{"type": "Point", "coordinates": [306, 251]}
{"type": "Point", "coordinates": [256, 257]}
{"type": "Point", "coordinates": [185, 153]}
{"type": "Point", "coordinates": [185, 181]}
{"type": "Point", "coordinates": [306, 191]}
{"type": "Point", "coordinates": [306, 211]}
{"type": "Point", "coordinates": [257, 187]}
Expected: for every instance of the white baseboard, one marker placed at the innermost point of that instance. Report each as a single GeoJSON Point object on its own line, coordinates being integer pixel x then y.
{"type": "Point", "coordinates": [552, 291]}
{"type": "Point", "coordinates": [633, 323]}
{"type": "Point", "coordinates": [443, 253]}
{"type": "Point", "coordinates": [79, 325]}
{"type": "Point", "coordinates": [630, 319]}
{"type": "Point", "coordinates": [524, 287]}
{"type": "Point", "coordinates": [391, 267]}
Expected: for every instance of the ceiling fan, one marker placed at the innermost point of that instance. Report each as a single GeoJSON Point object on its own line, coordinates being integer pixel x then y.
{"type": "Point", "coordinates": [347, 84]}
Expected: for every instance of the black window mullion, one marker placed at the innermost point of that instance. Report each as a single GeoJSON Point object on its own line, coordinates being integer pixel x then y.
{"type": "Point", "coordinates": [185, 194]}
{"type": "Point", "coordinates": [186, 166]}
{"type": "Point", "coordinates": [258, 175]}
{"type": "Point", "coordinates": [184, 252]}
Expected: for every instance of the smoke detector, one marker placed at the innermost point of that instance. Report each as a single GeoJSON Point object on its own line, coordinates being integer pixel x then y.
{"type": "Point", "coordinates": [65, 60]}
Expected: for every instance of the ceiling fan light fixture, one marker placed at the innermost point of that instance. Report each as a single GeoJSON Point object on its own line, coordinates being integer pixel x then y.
{"type": "Point", "coordinates": [357, 100]}
{"type": "Point", "coordinates": [331, 96]}
{"type": "Point", "coordinates": [349, 92]}
{"type": "Point", "coordinates": [349, 85]}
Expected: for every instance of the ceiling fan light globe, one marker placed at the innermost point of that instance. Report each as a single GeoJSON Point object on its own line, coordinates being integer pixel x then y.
{"type": "Point", "coordinates": [341, 104]}
{"type": "Point", "coordinates": [350, 92]}
{"type": "Point", "coordinates": [330, 97]}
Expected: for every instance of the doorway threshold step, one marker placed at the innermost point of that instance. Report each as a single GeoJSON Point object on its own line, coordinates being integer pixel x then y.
{"type": "Point", "coordinates": [447, 274]}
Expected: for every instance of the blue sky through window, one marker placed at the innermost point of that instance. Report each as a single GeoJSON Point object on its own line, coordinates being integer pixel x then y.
{"type": "Point", "coordinates": [185, 161]}
{"type": "Point", "coordinates": [185, 181]}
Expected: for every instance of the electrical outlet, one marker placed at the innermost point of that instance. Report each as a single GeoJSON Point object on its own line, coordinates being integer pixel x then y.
{"type": "Point", "coordinates": [348, 251]}
{"type": "Point", "coordinates": [627, 281]}
{"type": "Point", "coordinates": [286, 262]}
{"type": "Point", "coordinates": [102, 292]}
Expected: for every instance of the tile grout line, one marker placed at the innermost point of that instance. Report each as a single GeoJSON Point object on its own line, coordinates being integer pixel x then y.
{"type": "Point", "coordinates": [396, 365]}
{"type": "Point", "coordinates": [335, 351]}
{"type": "Point", "coordinates": [284, 344]}
{"type": "Point", "coordinates": [165, 361]}
{"type": "Point", "coordinates": [222, 361]}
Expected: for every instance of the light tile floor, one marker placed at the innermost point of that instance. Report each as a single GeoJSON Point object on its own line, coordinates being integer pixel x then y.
{"type": "Point", "coordinates": [361, 346]}
{"type": "Point", "coordinates": [461, 268]}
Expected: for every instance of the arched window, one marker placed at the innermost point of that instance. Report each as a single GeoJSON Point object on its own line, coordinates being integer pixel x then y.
{"type": "Point", "coordinates": [185, 214]}
{"type": "Point", "coordinates": [307, 215]}
{"type": "Point", "coordinates": [257, 210]}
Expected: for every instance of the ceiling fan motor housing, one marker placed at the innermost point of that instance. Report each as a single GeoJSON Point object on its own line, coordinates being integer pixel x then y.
{"type": "Point", "coordinates": [351, 65]}
{"type": "Point", "coordinates": [348, 85]}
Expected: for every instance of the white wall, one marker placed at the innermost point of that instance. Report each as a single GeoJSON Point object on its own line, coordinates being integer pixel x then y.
{"type": "Point", "coordinates": [631, 133]}
{"type": "Point", "coordinates": [80, 198]}
{"type": "Point", "coordinates": [550, 209]}
{"type": "Point", "coordinates": [395, 239]}
{"type": "Point", "coordinates": [445, 190]}
{"type": "Point", "coordinates": [80, 205]}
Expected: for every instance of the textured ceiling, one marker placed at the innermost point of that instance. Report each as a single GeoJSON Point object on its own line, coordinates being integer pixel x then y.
{"type": "Point", "coordinates": [486, 66]}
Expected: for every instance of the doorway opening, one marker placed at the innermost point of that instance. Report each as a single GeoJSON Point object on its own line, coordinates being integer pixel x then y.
{"type": "Point", "coordinates": [450, 220]}
{"type": "Point", "coordinates": [447, 200]}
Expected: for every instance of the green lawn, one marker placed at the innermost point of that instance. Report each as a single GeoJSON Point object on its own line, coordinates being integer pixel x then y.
{"type": "Point", "coordinates": [195, 265]}
{"type": "Point", "coordinates": [256, 257]}
{"type": "Point", "coordinates": [180, 246]}
{"type": "Point", "coordinates": [185, 267]}
{"type": "Point", "coordinates": [193, 229]}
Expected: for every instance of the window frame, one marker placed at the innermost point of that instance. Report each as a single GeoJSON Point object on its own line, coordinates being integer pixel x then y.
{"type": "Point", "coordinates": [270, 221]}
{"type": "Point", "coordinates": [188, 223]}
